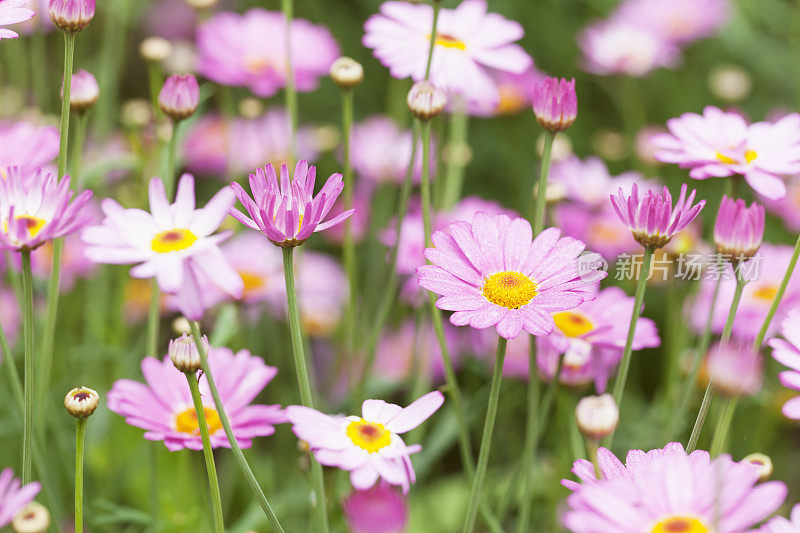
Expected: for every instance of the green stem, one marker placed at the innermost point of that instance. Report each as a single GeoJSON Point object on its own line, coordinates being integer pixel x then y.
{"type": "Point", "coordinates": [291, 94]}
{"type": "Point", "coordinates": [27, 330]}
{"type": "Point", "coordinates": [79, 438]}
{"type": "Point", "coordinates": [77, 149]}
{"type": "Point", "coordinates": [303, 379]}
{"type": "Point", "coordinates": [778, 297]}
{"type": "Point", "coordinates": [155, 80]}
{"type": "Point", "coordinates": [38, 48]}
{"type": "Point", "coordinates": [69, 54]}
{"type": "Point", "coordinates": [208, 453]}
{"type": "Point", "coordinates": [486, 440]}
{"type": "Point", "coordinates": [226, 426]}
{"type": "Point", "coordinates": [457, 147]}
{"type": "Point", "coordinates": [348, 246]}
{"type": "Point", "coordinates": [537, 216]}
{"type": "Point", "coordinates": [169, 178]}
{"type": "Point", "coordinates": [723, 427]}
{"type": "Point", "coordinates": [153, 319]}
{"type": "Point", "coordinates": [436, 7]}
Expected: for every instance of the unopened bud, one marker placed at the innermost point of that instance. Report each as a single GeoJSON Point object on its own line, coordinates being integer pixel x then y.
{"type": "Point", "coordinates": [33, 518]}
{"type": "Point", "coordinates": [179, 97]}
{"type": "Point", "coordinates": [184, 355]}
{"type": "Point", "coordinates": [762, 462]}
{"type": "Point", "coordinates": [81, 402]}
{"type": "Point", "coordinates": [83, 92]}
{"type": "Point", "coordinates": [425, 100]}
{"type": "Point", "coordinates": [181, 326]}
{"type": "Point", "coordinates": [155, 49]}
{"type": "Point", "coordinates": [597, 416]}
{"type": "Point", "coordinates": [347, 73]}
{"type": "Point", "coordinates": [71, 16]}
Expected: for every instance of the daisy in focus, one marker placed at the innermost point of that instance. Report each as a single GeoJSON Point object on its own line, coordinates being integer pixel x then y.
{"type": "Point", "coordinates": [369, 446]}
{"type": "Point", "coordinates": [163, 405]}
{"type": "Point", "coordinates": [13, 12]}
{"type": "Point", "coordinates": [491, 272]}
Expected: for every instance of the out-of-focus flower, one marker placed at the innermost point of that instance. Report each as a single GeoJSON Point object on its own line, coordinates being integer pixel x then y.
{"type": "Point", "coordinates": [359, 222]}
{"type": "Point", "coordinates": [259, 266]}
{"type": "Point", "coordinates": [9, 315]}
{"type": "Point", "coordinates": [762, 462]}
{"type": "Point", "coordinates": [83, 92]}
{"type": "Point", "coordinates": [787, 353]}
{"type": "Point", "coordinates": [599, 229]}
{"type": "Point", "coordinates": [179, 97]}
{"type": "Point", "coordinates": [469, 42]}
{"type": "Point", "coordinates": [369, 446]}
{"type": "Point", "coordinates": [555, 103]}
{"type": "Point", "coordinates": [250, 50]}
{"type": "Point", "coordinates": [408, 351]}
{"type": "Point", "coordinates": [597, 416]}
{"type": "Point", "coordinates": [739, 229]}
{"type": "Point", "coordinates": [788, 207]}
{"type": "Point", "coordinates": [734, 368]}
{"type": "Point", "coordinates": [33, 518]}
{"type": "Point", "coordinates": [35, 207]}
{"type": "Point", "coordinates": [653, 220]}
{"type": "Point", "coordinates": [13, 12]}
{"type": "Point", "coordinates": [717, 144]}
{"type": "Point", "coordinates": [322, 290]}
{"type": "Point", "coordinates": [491, 272]}
{"type": "Point", "coordinates": [170, 19]}
{"type": "Point", "coordinates": [381, 151]}
{"type": "Point", "coordinates": [715, 494]}
{"type": "Point", "coordinates": [780, 524]}
{"type": "Point", "coordinates": [730, 83]}
{"type": "Point", "coordinates": [676, 21]}
{"type": "Point", "coordinates": [13, 496]}
{"type": "Point", "coordinates": [155, 49]}
{"type": "Point", "coordinates": [27, 146]}
{"type": "Point", "coordinates": [644, 145]}
{"type": "Point", "coordinates": [290, 213]}
{"type": "Point", "coordinates": [71, 15]}
{"type": "Point", "coordinates": [39, 22]}
{"type": "Point", "coordinates": [380, 509]}
{"type": "Point", "coordinates": [516, 93]}
{"type": "Point", "coordinates": [589, 182]}
{"type": "Point", "coordinates": [163, 406]}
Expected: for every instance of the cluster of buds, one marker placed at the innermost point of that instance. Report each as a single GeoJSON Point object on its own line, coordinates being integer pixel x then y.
{"type": "Point", "coordinates": [179, 97]}
{"type": "Point", "coordinates": [184, 355]}
{"type": "Point", "coordinates": [71, 16]}
{"type": "Point", "coordinates": [82, 402]}
{"type": "Point", "coordinates": [347, 73]}
{"type": "Point", "coordinates": [425, 100]}
{"type": "Point", "coordinates": [597, 416]}
{"type": "Point", "coordinates": [555, 103]}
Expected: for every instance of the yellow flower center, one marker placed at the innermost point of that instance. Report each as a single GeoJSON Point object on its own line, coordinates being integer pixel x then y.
{"type": "Point", "coordinates": [509, 289]}
{"type": "Point", "coordinates": [257, 65]}
{"type": "Point", "coordinates": [368, 435]}
{"type": "Point", "coordinates": [510, 100]}
{"type": "Point", "coordinates": [680, 524]}
{"type": "Point", "coordinates": [34, 224]}
{"type": "Point", "coordinates": [173, 240]}
{"type": "Point", "coordinates": [749, 156]}
{"type": "Point", "coordinates": [766, 292]}
{"type": "Point", "coordinates": [573, 323]}
{"type": "Point", "coordinates": [186, 421]}
{"type": "Point", "coordinates": [251, 281]}
{"type": "Point", "coordinates": [448, 41]}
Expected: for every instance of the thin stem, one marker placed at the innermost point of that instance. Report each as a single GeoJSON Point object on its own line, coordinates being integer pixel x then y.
{"type": "Point", "coordinates": [436, 7]}
{"type": "Point", "coordinates": [79, 438]}
{"type": "Point", "coordinates": [155, 80]}
{"type": "Point", "coordinates": [69, 54]}
{"type": "Point", "coordinates": [457, 148]}
{"type": "Point", "coordinates": [348, 246]}
{"type": "Point", "coordinates": [778, 297]}
{"type": "Point", "coordinates": [27, 330]}
{"type": "Point", "coordinates": [723, 427]}
{"type": "Point", "coordinates": [153, 318]}
{"type": "Point", "coordinates": [291, 93]}
{"type": "Point", "coordinates": [169, 178]}
{"type": "Point", "coordinates": [486, 441]}
{"type": "Point", "coordinates": [208, 453]}
{"type": "Point", "coordinates": [303, 379]}
{"type": "Point", "coordinates": [226, 426]}
{"type": "Point", "coordinates": [591, 448]}
{"type": "Point", "coordinates": [537, 216]}
{"type": "Point", "coordinates": [77, 150]}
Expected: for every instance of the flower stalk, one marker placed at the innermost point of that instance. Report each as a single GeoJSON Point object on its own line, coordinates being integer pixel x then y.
{"type": "Point", "coordinates": [80, 434]}
{"type": "Point", "coordinates": [26, 304]}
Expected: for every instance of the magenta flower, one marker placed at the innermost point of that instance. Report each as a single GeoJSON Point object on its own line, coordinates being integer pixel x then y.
{"type": "Point", "coordinates": [734, 368]}
{"type": "Point", "coordinates": [368, 446]}
{"type": "Point", "coordinates": [380, 509]}
{"type": "Point", "coordinates": [469, 42]}
{"type": "Point", "coordinates": [13, 497]}
{"type": "Point", "coordinates": [780, 524]}
{"type": "Point", "coordinates": [555, 103]}
{"type": "Point", "coordinates": [652, 219]}
{"type": "Point", "coordinates": [27, 146]}
{"type": "Point", "coordinates": [787, 353]}
{"type": "Point", "coordinates": [13, 12]}
{"type": "Point", "coordinates": [163, 406]}
{"type": "Point", "coordinates": [179, 97]}
{"type": "Point", "coordinates": [739, 229]}
{"type": "Point", "coordinates": [717, 144]}
{"type": "Point", "coordinates": [249, 50]}
{"type": "Point", "coordinates": [72, 15]}
{"type": "Point", "coordinates": [491, 273]}
{"type": "Point", "coordinates": [667, 490]}
{"type": "Point", "coordinates": [36, 208]}
{"type": "Point", "coordinates": [676, 21]}
{"type": "Point", "coordinates": [290, 213]}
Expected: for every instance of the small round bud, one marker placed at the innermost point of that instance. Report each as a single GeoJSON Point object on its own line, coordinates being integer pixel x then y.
{"type": "Point", "coordinates": [425, 100]}
{"type": "Point", "coordinates": [184, 355]}
{"type": "Point", "coordinates": [155, 49]}
{"type": "Point", "coordinates": [71, 16]}
{"type": "Point", "coordinates": [181, 326]}
{"type": "Point", "coordinates": [347, 73]}
{"type": "Point", "coordinates": [200, 5]}
{"type": "Point", "coordinates": [179, 97]}
{"type": "Point", "coordinates": [762, 462]}
{"type": "Point", "coordinates": [597, 416]}
{"type": "Point", "coordinates": [136, 113]}
{"type": "Point", "coordinates": [83, 92]}
{"type": "Point", "coordinates": [81, 402]}
{"type": "Point", "coordinates": [251, 107]}
{"type": "Point", "coordinates": [33, 518]}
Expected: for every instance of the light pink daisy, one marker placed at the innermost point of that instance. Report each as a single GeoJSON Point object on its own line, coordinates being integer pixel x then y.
{"type": "Point", "coordinates": [163, 406]}
{"type": "Point", "coordinates": [13, 496]}
{"type": "Point", "coordinates": [780, 524]}
{"type": "Point", "coordinates": [381, 151]}
{"type": "Point", "coordinates": [491, 272]}
{"type": "Point", "coordinates": [288, 213]}
{"type": "Point", "coordinates": [676, 21]}
{"type": "Point", "coordinates": [788, 207]}
{"type": "Point", "coordinates": [588, 181]}
{"type": "Point", "coordinates": [27, 146]}
{"type": "Point", "coordinates": [717, 144]}
{"type": "Point", "coordinates": [13, 12]}
{"type": "Point", "coordinates": [787, 353]}
{"type": "Point", "coordinates": [516, 93]}
{"type": "Point", "coordinates": [380, 509]}
{"type": "Point", "coordinates": [250, 50]}
{"type": "Point", "coordinates": [666, 490]}
{"type": "Point", "coordinates": [35, 207]}
{"type": "Point", "coordinates": [368, 446]}
{"type": "Point", "coordinates": [469, 42]}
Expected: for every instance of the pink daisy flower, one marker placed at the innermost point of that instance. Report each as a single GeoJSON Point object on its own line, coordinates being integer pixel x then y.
{"type": "Point", "coordinates": [171, 243]}
{"type": "Point", "coordinates": [667, 490]}
{"type": "Point", "coordinates": [787, 353]}
{"type": "Point", "coordinates": [588, 181]}
{"type": "Point", "coordinates": [368, 446]}
{"type": "Point", "coordinates": [249, 50]}
{"type": "Point", "coordinates": [780, 524]}
{"type": "Point", "coordinates": [717, 144]}
{"type": "Point", "coordinates": [13, 12]}
{"type": "Point", "coordinates": [469, 42]}
{"type": "Point", "coordinates": [491, 272]}
{"type": "Point", "coordinates": [676, 21]}
{"type": "Point", "coordinates": [163, 405]}
{"type": "Point", "coordinates": [290, 213]}
{"type": "Point", "coordinates": [515, 90]}
{"type": "Point", "coordinates": [13, 496]}
{"type": "Point", "coordinates": [381, 150]}
{"type": "Point", "coordinates": [35, 207]}
{"type": "Point", "coordinates": [27, 146]}
{"type": "Point", "coordinates": [734, 368]}
{"type": "Point", "coordinates": [259, 266]}
{"type": "Point", "coordinates": [380, 509]}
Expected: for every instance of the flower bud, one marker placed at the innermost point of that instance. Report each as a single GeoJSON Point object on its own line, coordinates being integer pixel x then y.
{"type": "Point", "coordinates": [555, 103]}
{"type": "Point", "coordinates": [81, 402]}
{"type": "Point", "coordinates": [425, 100]}
{"type": "Point", "coordinates": [155, 49]}
{"type": "Point", "coordinates": [184, 355]}
{"type": "Point", "coordinates": [381, 504]}
{"type": "Point", "coordinates": [179, 97]}
{"type": "Point", "coordinates": [33, 518]}
{"type": "Point", "coordinates": [83, 92]}
{"type": "Point", "coordinates": [597, 416]}
{"type": "Point", "coordinates": [347, 73]}
{"type": "Point", "coordinates": [739, 229]}
{"type": "Point", "coordinates": [251, 107]}
{"type": "Point", "coordinates": [734, 368]}
{"type": "Point", "coordinates": [762, 462]}
{"type": "Point", "coordinates": [200, 5]}
{"type": "Point", "coordinates": [71, 15]}
{"type": "Point", "coordinates": [181, 326]}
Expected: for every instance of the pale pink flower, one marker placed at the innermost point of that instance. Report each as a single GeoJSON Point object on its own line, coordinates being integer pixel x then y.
{"type": "Point", "coordinates": [787, 353]}
{"type": "Point", "coordinates": [14, 496]}
{"type": "Point", "coordinates": [27, 146]}
{"type": "Point", "coordinates": [381, 151]}
{"type": "Point", "coordinates": [780, 524]}
{"type": "Point", "coordinates": [676, 21]}
{"type": "Point", "coordinates": [380, 509]}
{"type": "Point", "coordinates": [13, 12]}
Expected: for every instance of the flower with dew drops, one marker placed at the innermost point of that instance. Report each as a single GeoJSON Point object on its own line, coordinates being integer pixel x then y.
{"type": "Point", "coordinates": [288, 213]}
{"type": "Point", "coordinates": [13, 496]}
{"type": "Point", "coordinates": [13, 12]}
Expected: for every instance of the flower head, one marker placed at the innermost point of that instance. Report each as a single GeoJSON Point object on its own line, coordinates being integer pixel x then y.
{"type": "Point", "coordinates": [179, 97]}
{"type": "Point", "coordinates": [555, 103]}
{"type": "Point", "coordinates": [597, 416]}
{"type": "Point", "coordinates": [13, 12]}
{"type": "Point", "coordinates": [346, 72]}
{"type": "Point", "coordinates": [780, 524]}
{"type": "Point", "coordinates": [787, 352]}
{"type": "Point", "coordinates": [81, 402]}
{"type": "Point", "coordinates": [676, 21]}
{"type": "Point", "coordinates": [27, 146]}
{"type": "Point", "coordinates": [739, 228]}
{"type": "Point", "coordinates": [380, 509]}
{"type": "Point", "coordinates": [426, 100]}
{"type": "Point", "coordinates": [668, 490]}
{"type": "Point", "coordinates": [184, 354]}
{"type": "Point", "coordinates": [734, 368]}
{"type": "Point", "coordinates": [35, 208]}
{"type": "Point", "coordinates": [368, 446]}
{"type": "Point", "coordinates": [72, 15]}
{"type": "Point", "coordinates": [14, 497]}
{"type": "Point", "coordinates": [492, 273]}
{"type": "Point", "coordinates": [381, 151]}
{"type": "Point", "coordinates": [33, 518]}
{"type": "Point", "coordinates": [163, 406]}
{"type": "Point", "coordinates": [288, 213]}
{"type": "Point", "coordinates": [84, 91]}
{"type": "Point", "coordinates": [652, 219]}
